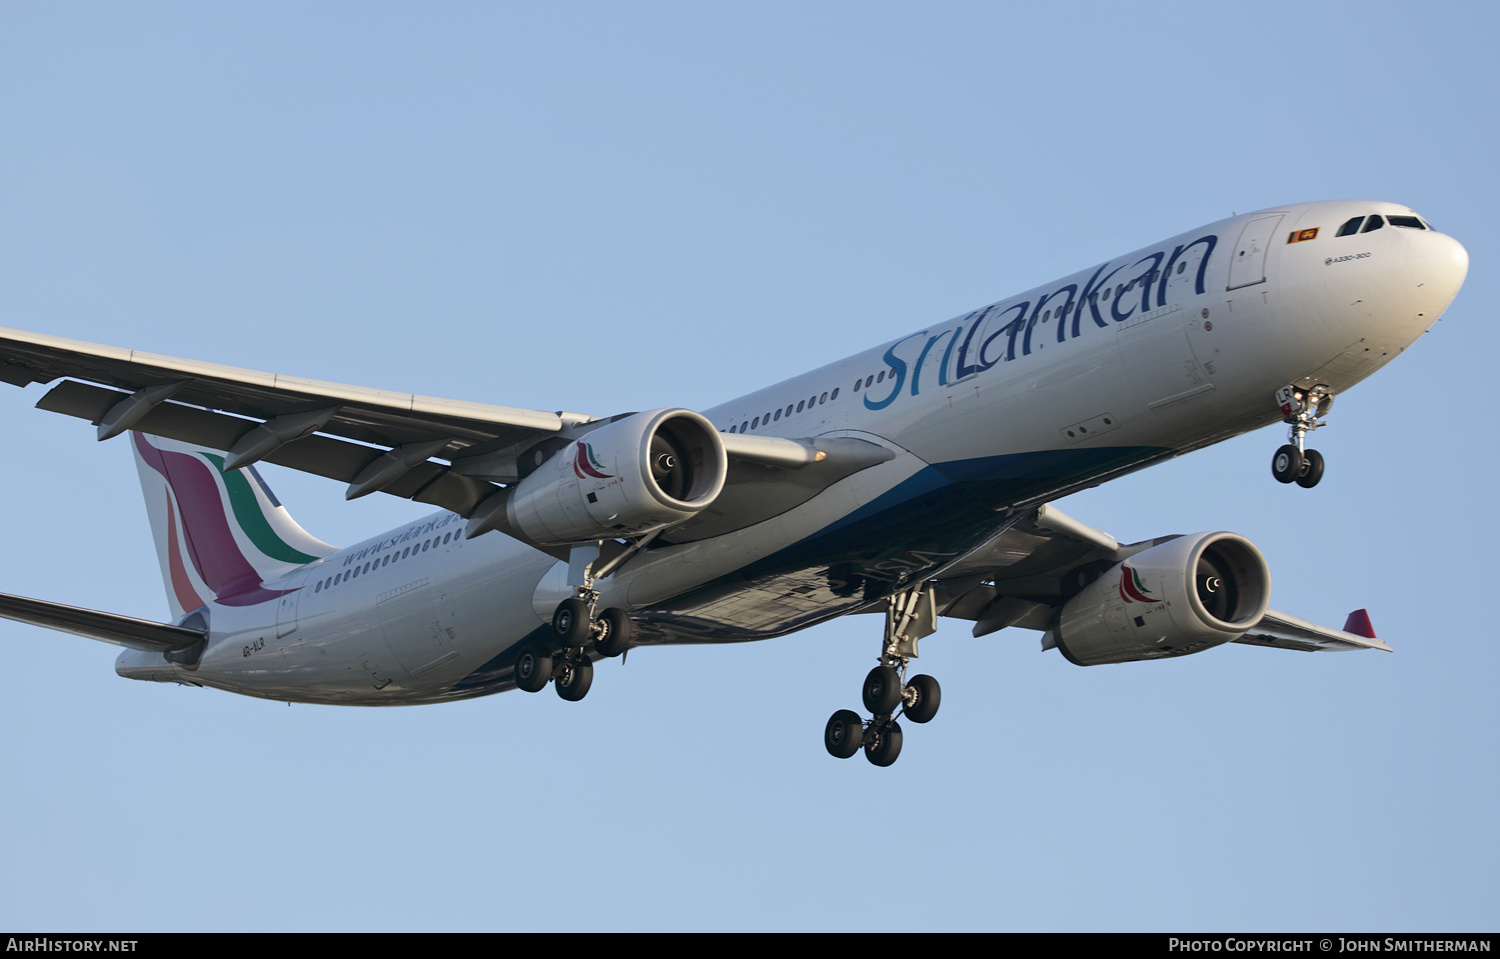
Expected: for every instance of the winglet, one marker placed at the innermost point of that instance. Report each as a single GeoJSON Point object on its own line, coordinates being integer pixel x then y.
{"type": "Point", "coordinates": [1359, 624]}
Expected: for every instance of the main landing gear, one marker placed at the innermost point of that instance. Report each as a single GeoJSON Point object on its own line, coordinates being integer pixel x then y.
{"type": "Point", "coordinates": [566, 663]}
{"type": "Point", "coordinates": [910, 615]}
{"type": "Point", "coordinates": [1294, 463]}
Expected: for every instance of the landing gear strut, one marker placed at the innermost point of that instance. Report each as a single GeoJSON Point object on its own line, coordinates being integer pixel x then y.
{"type": "Point", "coordinates": [1300, 408]}
{"type": "Point", "coordinates": [578, 631]}
{"type": "Point", "coordinates": [910, 615]}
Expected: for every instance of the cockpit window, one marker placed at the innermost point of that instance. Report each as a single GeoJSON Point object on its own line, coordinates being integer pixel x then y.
{"type": "Point", "coordinates": [1351, 227]}
{"type": "Point", "coordinates": [1410, 222]}
{"type": "Point", "coordinates": [1373, 223]}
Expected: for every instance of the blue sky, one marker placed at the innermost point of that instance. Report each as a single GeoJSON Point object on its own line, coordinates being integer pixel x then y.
{"type": "Point", "coordinates": [609, 207]}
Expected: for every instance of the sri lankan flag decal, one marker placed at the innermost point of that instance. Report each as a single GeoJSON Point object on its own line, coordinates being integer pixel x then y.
{"type": "Point", "coordinates": [1132, 590]}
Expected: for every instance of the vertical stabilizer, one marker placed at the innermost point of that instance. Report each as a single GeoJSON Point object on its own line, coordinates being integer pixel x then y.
{"type": "Point", "coordinates": [219, 535]}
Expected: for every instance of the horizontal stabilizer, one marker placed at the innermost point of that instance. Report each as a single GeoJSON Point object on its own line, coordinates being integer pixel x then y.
{"type": "Point", "coordinates": [1285, 631]}
{"type": "Point", "coordinates": [105, 627]}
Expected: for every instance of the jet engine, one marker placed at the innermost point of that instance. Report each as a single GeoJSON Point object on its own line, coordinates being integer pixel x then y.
{"type": "Point", "coordinates": [641, 473]}
{"type": "Point", "coordinates": [1183, 596]}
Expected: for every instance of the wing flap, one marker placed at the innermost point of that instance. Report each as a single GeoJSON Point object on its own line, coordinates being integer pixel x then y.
{"type": "Point", "coordinates": [39, 357]}
{"type": "Point", "coordinates": [105, 627]}
{"type": "Point", "coordinates": [335, 459]}
{"type": "Point", "coordinates": [214, 406]}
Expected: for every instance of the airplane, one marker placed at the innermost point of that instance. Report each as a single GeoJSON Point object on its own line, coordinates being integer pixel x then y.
{"type": "Point", "coordinates": [912, 479]}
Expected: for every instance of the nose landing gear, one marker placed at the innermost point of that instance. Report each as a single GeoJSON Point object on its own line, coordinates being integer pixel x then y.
{"type": "Point", "coordinates": [910, 615]}
{"type": "Point", "coordinates": [1300, 408]}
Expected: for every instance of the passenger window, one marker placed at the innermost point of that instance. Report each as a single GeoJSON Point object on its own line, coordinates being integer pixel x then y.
{"type": "Point", "coordinates": [778, 414]}
{"type": "Point", "coordinates": [835, 394]}
{"type": "Point", "coordinates": [869, 381]}
{"type": "Point", "coordinates": [1374, 223]}
{"type": "Point", "coordinates": [812, 401]}
{"type": "Point", "coordinates": [789, 409]}
{"type": "Point", "coordinates": [1181, 266]}
{"type": "Point", "coordinates": [881, 377]}
{"type": "Point", "coordinates": [755, 423]}
{"type": "Point", "coordinates": [800, 404]}
{"type": "Point", "coordinates": [825, 396]}
{"type": "Point", "coordinates": [1409, 222]}
{"type": "Point", "coordinates": [1350, 227]}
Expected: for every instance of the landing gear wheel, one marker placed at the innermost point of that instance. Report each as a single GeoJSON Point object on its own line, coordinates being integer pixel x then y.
{"type": "Point", "coordinates": [882, 690]}
{"type": "Point", "coordinates": [922, 696]}
{"type": "Point", "coordinates": [843, 734]}
{"type": "Point", "coordinates": [614, 629]}
{"type": "Point", "coordinates": [1312, 469]}
{"type": "Point", "coordinates": [533, 668]}
{"type": "Point", "coordinates": [575, 679]}
{"type": "Point", "coordinates": [571, 622]}
{"type": "Point", "coordinates": [1286, 465]}
{"type": "Point", "coordinates": [882, 744]}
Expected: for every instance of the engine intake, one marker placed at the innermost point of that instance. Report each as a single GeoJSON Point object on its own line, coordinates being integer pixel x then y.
{"type": "Point", "coordinates": [642, 473]}
{"type": "Point", "coordinates": [1183, 596]}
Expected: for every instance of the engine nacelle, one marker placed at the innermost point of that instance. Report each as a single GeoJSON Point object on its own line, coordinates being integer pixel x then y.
{"type": "Point", "coordinates": [641, 473]}
{"type": "Point", "coordinates": [1183, 596]}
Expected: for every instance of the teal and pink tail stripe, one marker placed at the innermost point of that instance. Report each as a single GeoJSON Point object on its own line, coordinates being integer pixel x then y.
{"type": "Point", "coordinates": [199, 530]}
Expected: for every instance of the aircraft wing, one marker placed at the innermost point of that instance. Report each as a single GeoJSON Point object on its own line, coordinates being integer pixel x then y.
{"type": "Point", "coordinates": [1025, 573]}
{"type": "Point", "coordinates": [374, 440]}
{"type": "Point", "coordinates": [105, 627]}
{"type": "Point", "coordinates": [1285, 631]}
{"type": "Point", "coordinates": [226, 408]}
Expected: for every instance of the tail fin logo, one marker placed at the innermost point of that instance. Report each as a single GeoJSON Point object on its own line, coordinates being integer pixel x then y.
{"type": "Point", "coordinates": [1132, 590]}
{"type": "Point", "coordinates": [216, 535]}
{"type": "Point", "coordinates": [586, 465]}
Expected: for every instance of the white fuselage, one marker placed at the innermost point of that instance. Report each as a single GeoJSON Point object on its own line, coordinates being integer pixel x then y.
{"type": "Point", "coordinates": [1168, 349]}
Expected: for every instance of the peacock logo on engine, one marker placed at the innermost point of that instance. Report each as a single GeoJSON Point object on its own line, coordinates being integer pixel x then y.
{"type": "Point", "coordinates": [586, 465]}
{"type": "Point", "coordinates": [1132, 590]}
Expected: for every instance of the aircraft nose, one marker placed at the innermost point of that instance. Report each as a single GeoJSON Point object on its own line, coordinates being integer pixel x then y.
{"type": "Point", "coordinates": [1438, 266]}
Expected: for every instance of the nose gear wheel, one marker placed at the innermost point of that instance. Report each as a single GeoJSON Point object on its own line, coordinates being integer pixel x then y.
{"type": "Point", "coordinates": [1301, 408]}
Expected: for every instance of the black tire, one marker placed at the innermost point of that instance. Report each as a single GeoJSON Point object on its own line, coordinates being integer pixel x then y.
{"type": "Point", "coordinates": [883, 744]}
{"type": "Point", "coordinates": [613, 634]}
{"type": "Point", "coordinates": [571, 622]}
{"type": "Point", "coordinates": [843, 734]}
{"type": "Point", "coordinates": [533, 668]}
{"type": "Point", "coordinates": [922, 696]}
{"type": "Point", "coordinates": [1312, 469]}
{"type": "Point", "coordinates": [573, 682]}
{"type": "Point", "coordinates": [1286, 465]}
{"type": "Point", "coordinates": [882, 690]}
